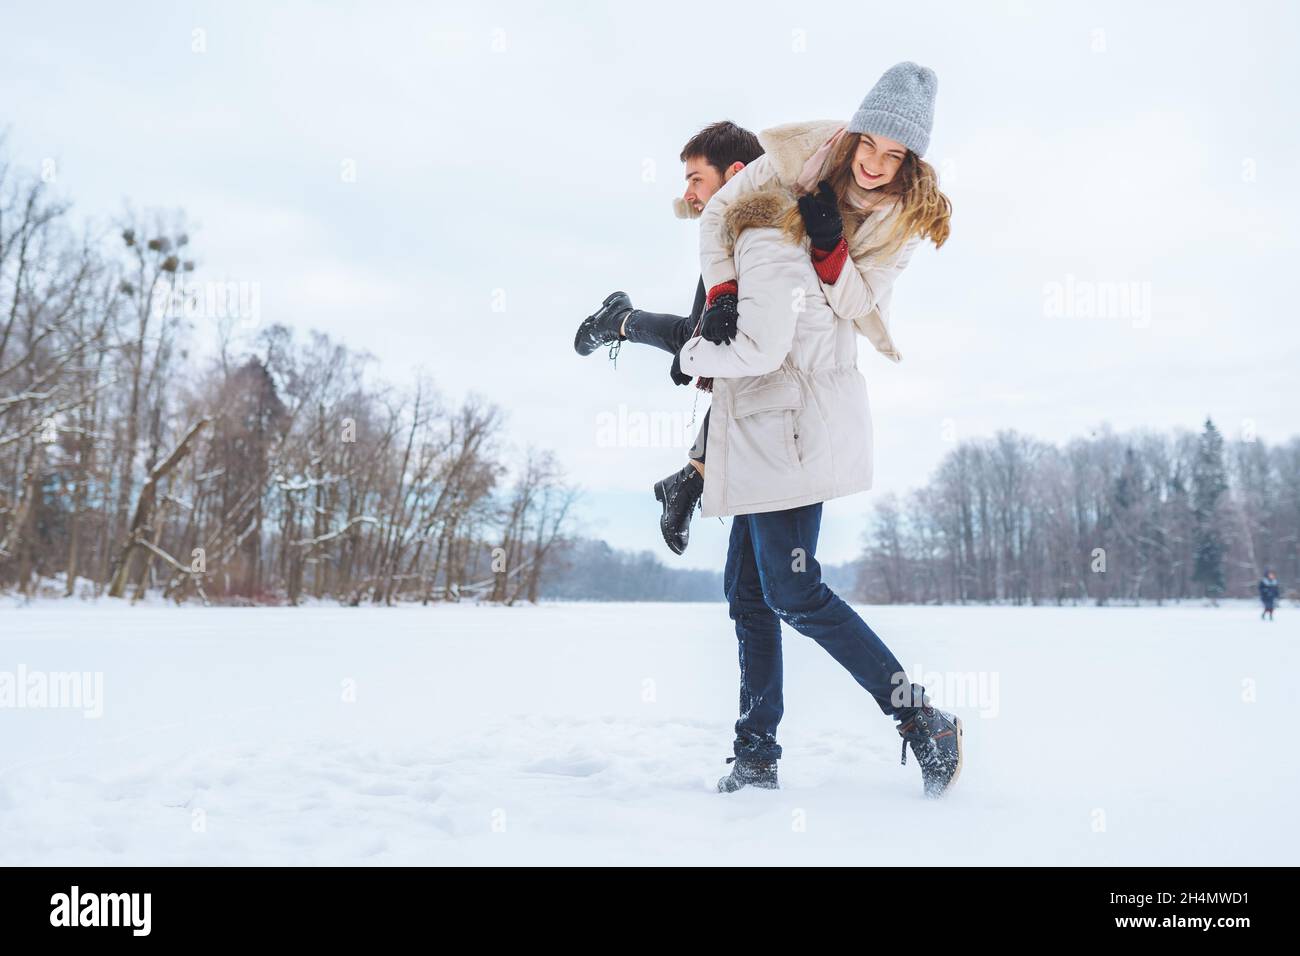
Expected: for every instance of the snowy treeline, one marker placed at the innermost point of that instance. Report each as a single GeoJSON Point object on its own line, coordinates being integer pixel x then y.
{"type": "Point", "coordinates": [590, 570]}
{"type": "Point", "coordinates": [1140, 516]}
{"type": "Point", "coordinates": [587, 569]}
{"type": "Point", "coordinates": [280, 470]}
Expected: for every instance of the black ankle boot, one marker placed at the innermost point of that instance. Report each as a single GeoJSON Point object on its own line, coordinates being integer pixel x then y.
{"type": "Point", "coordinates": [679, 493]}
{"type": "Point", "coordinates": [748, 772]}
{"type": "Point", "coordinates": [936, 739]}
{"type": "Point", "coordinates": [601, 328]}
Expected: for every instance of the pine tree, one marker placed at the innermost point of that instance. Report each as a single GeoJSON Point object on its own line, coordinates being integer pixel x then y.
{"type": "Point", "coordinates": [1209, 482]}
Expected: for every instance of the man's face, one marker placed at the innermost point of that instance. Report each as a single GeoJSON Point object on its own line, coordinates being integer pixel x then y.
{"type": "Point", "coordinates": [702, 181]}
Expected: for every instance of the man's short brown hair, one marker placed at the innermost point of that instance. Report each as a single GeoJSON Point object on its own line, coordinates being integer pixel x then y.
{"type": "Point", "coordinates": [722, 144]}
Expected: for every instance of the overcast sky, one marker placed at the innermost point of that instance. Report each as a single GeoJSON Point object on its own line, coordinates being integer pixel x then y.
{"type": "Point", "coordinates": [512, 167]}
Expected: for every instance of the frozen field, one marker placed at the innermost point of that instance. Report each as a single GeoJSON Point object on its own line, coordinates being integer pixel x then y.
{"type": "Point", "coordinates": [594, 734]}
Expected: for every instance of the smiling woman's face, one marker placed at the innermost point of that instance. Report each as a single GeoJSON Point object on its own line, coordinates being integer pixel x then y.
{"type": "Point", "coordinates": [877, 160]}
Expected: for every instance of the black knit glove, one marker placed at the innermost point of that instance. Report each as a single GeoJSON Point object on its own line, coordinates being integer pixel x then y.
{"type": "Point", "coordinates": [821, 217]}
{"type": "Point", "coordinates": [718, 324]}
{"type": "Point", "coordinates": [676, 372]}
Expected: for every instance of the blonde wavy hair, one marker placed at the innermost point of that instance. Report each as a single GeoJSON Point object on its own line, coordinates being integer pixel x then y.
{"type": "Point", "coordinates": [925, 210]}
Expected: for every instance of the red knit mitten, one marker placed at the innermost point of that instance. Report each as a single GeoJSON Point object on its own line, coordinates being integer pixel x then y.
{"type": "Point", "coordinates": [722, 288]}
{"type": "Point", "coordinates": [829, 264]}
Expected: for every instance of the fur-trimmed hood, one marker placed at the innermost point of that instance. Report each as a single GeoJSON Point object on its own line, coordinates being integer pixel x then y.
{"type": "Point", "coordinates": [760, 210]}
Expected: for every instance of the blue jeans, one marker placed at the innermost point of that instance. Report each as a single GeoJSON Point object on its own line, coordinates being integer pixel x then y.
{"type": "Point", "coordinates": [773, 576]}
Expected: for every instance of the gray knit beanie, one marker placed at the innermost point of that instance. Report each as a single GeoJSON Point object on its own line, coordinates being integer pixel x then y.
{"type": "Point", "coordinates": [900, 106]}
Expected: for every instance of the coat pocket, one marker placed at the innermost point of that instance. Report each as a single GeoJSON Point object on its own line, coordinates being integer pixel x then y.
{"type": "Point", "coordinates": [767, 397]}
{"type": "Point", "coordinates": [768, 412]}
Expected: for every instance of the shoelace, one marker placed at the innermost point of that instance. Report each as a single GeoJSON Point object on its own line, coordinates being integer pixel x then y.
{"type": "Point", "coordinates": [930, 758]}
{"type": "Point", "coordinates": [910, 736]}
{"type": "Point", "coordinates": [903, 753]}
{"type": "Point", "coordinates": [618, 342]}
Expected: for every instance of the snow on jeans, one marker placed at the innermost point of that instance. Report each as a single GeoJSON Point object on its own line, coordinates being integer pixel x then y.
{"type": "Point", "coordinates": [766, 582]}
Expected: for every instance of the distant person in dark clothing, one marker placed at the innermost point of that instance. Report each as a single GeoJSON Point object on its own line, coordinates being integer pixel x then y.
{"type": "Point", "coordinates": [1268, 592]}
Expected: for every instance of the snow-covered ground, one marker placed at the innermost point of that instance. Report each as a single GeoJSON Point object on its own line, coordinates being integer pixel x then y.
{"type": "Point", "coordinates": [589, 733]}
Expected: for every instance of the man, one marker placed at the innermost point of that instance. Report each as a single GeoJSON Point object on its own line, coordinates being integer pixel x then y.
{"type": "Point", "coordinates": [1268, 592]}
{"type": "Point", "coordinates": [711, 157]}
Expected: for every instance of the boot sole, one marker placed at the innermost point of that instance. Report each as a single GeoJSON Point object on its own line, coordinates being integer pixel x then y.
{"type": "Point", "coordinates": [577, 339]}
{"type": "Point", "coordinates": [663, 518]}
